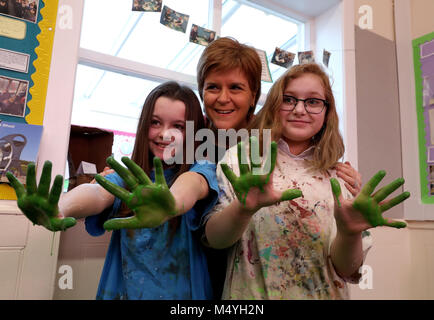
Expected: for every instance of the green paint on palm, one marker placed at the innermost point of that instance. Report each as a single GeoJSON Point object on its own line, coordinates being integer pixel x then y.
{"type": "Point", "coordinates": [38, 203]}
{"type": "Point", "coordinates": [369, 204]}
{"type": "Point", "coordinates": [255, 177]}
{"type": "Point", "coordinates": [151, 203]}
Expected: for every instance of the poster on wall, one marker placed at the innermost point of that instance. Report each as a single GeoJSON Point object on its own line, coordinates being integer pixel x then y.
{"type": "Point", "coordinates": [19, 145]}
{"type": "Point", "coordinates": [26, 42]}
{"type": "Point", "coordinates": [423, 53]}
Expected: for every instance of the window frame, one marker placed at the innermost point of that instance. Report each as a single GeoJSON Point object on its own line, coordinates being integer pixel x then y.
{"type": "Point", "coordinates": [145, 71]}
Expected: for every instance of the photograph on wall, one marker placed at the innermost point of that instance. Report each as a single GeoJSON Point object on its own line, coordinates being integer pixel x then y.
{"type": "Point", "coordinates": [428, 91]}
{"type": "Point", "coordinates": [430, 124]}
{"type": "Point", "coordinates": [13, 96]}
{"type": "Point", "coordinates": [431, 154]}
{"type": "Point", "coordinates": [283, 58]}
{"type": "Point", "coordinates": [174, 20]}
{"type": "Point", "coordinates": [431, 173]}
{"type": "Point", "coordinates": [201, 35]}
{"type": "Point", "coordinates": [326, 57]}
{"type": "Point", "coordinates": [19, 145]}
{"type": "Point", "coordinates": [147, 5]}
{"type": "Point", "coordinates": [21, 9]}
{"type": "Point", "coordinates": [305, 57]}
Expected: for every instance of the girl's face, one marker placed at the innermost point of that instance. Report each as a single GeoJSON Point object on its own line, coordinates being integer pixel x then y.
{"type": "Point", "coordinates": [227, 99]}
{"type": "Point", "coordinates": [167, 130]}
{"type": "Point", "coordinates": [299, 126]}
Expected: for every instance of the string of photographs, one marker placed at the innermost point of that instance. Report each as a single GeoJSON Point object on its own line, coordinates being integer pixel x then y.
{"type": "Point", "coordinates": [202, 36]}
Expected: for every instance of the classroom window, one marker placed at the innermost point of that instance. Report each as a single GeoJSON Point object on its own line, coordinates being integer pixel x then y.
{"type": "Point", "coordinates": [124, 54]}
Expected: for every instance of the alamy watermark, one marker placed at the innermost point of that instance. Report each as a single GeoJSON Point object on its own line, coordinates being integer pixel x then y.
{"type": "Point", "coordinates": [66, 280]}
{"type": "Point", "coordinates": [207, 150]}
{"type": "Point", "coordinates": [366, 281]}
{"type": "Point", "coordinates": [366, 20]}
{"type": "Point", "coordinates": [65, 17]}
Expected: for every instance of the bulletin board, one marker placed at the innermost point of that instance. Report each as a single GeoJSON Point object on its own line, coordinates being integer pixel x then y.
{"type": "Point", "coordinates": [423, 53]}
{"type": "Point", "coordinates": [26, 43]}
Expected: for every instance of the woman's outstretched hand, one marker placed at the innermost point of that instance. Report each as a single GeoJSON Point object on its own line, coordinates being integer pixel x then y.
{"type": "Point", "coordinates": [365, 211]}
{"type": "Point", "coordinates": [254, 187]}
{"type": "Point", "coordinates": [152, 203]}
{"type": "Point", "coordinates": [39, 204]}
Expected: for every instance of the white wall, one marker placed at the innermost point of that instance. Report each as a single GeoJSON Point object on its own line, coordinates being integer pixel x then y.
{"type": "Point", "coordinates": [328, 36]}
{"type": "Point", "coordinates": [403, 260]}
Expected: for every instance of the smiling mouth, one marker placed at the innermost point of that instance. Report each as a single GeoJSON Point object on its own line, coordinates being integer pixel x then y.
{"type": "Point", "coordinates": [161, 145]}
{"type": "Point", "coordinates": [224, 111]}
{"type": "Point", "coordinates": [298, 121]}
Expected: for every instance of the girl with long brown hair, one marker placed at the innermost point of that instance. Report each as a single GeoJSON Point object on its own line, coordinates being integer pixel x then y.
{"type": "Point", "coordinates": [155, 252]}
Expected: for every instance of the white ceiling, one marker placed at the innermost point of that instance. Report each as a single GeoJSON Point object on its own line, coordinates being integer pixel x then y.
{"type": "Point", "coordinates": [310, 8]}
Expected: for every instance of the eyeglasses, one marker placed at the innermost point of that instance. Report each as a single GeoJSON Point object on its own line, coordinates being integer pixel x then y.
{"type": "Point", "coordinates": [311, 105]}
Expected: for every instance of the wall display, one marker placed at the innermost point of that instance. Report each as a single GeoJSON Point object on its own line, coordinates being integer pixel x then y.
{"type": "Point", "coordinates": [423, 53]}
{"type": "Point", "coordinates": [26, 42]}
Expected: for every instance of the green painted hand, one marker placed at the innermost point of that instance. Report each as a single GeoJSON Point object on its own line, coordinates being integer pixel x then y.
{"type": "Point", "coordinates": [370, 206]}
{"type": "Point", "coordinates": [257, 180]}
{"type": "Point", "coordinates": [37, 203]}
{"type": "Point", "coordinates": [152, 203]}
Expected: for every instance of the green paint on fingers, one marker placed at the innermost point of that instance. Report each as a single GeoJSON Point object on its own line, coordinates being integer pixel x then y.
{"type": "Point", "coordinates": [254, 176]}
{"type": "Point", "coordinates": [152, 203]}
{"type": "Point", "coordinates": [336, 189]}
{"type": "Point", "coordinates": [38, 203]}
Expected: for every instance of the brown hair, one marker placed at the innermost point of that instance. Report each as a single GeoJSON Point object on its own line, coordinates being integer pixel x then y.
{"type": "Point", "coordinates": [226, 54]}
{"type": "Point", "coordinates": [328, 141]}
{"type": "Point", "coordinates": [142, 155]}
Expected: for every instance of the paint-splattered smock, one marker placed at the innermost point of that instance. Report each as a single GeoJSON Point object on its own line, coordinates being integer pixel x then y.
{"type": "Point", "coordinates": [142, 266]}
{"type": "Point", "coordinates": [285, 251]}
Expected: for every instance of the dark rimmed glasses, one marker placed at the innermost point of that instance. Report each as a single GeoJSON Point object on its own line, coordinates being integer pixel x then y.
{"type": "Point", "coordinates": [311, 105]}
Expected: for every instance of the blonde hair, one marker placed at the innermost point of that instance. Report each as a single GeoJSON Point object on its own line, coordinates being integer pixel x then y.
{"type": "Point", "coordinates": [328, 141]}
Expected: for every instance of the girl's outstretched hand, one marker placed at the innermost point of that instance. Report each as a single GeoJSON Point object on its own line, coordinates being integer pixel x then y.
{"type": "Point", "coordinates": [365, 211]}
{"type": "Point", "coordinates": [37, 203]}
{"type": "Point", "coordinates": [254, 187]}
{"type": "Point", "coordinates": [152, 203]}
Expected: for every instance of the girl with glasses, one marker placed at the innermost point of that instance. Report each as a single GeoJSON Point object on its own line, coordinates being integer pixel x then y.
{"type": "Point", "coordinates": [281, 245]}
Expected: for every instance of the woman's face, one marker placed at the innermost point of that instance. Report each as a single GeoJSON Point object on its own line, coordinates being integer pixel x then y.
{"type": "Point", "coordinates": [227, 98]}
{"type": "Point", "coordinates": [299, 126]}
{"type": "Point", "coordinates": [167, 130]}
